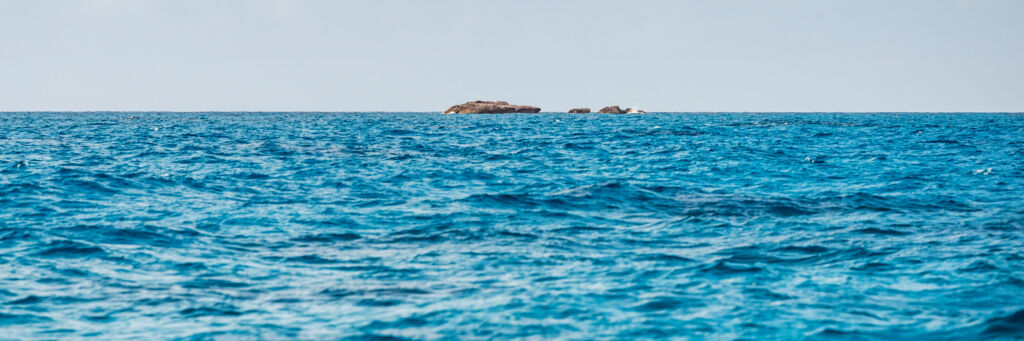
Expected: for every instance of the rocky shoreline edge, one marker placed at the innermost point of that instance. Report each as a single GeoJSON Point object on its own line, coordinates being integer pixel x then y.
{"type": "Point", "coordinates": [502, 107]}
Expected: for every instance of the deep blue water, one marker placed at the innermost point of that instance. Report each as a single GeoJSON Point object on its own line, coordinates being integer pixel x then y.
{"type": "Point", "coordinates": [426, 226]}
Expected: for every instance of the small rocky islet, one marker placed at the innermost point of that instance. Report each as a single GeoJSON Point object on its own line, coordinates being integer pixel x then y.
{"type": "Point", "coordinates": [491, 107]}
{"type": "Point", "coordinates": [502, 107]}
{"type": "Point", "coordinates": [614, 109]}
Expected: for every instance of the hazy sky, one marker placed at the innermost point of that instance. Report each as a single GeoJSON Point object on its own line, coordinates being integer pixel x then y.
{"type": "Point", "coordinates": [713, 55]}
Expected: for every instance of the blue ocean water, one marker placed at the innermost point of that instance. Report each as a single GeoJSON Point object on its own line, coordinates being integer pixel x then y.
{"type": "Point", "coordinates": [427, 226]}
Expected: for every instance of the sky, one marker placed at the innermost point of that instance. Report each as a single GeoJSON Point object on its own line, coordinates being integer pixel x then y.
{"type": "Point", "coordinates": [672, 55]}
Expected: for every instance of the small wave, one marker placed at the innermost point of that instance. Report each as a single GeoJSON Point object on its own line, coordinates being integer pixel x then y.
{"type": "Point", "coordinates": [874, 266]}
{"type": "Point", "coordinates": [210, 283]}
{"type": "Point", "coordinates": [664, 258]}
{"type": "Point", "coordinates": [400, 132]}
{"type": "Point", "coordinates": [878, 231]}
{"type": "Point", "coordinates": [143, 235]}
{"type": "Point", "coordinates": [375, 337]}
{"type": "Point", "coordinates": [189, 267]}
{"type": "Point", "coordinates": [13, 320]}
{"type": "Point", "coordinates": [810, 249]}
{"type": "Point", "coordinates": [222, 310]}
{"type": "Point", "coordinates": [765, 294]}
{"type": "Point", "coordinates": [816, 159]}
{"type": "Point", "coordinates": [89, 186]}
{"type": "Point", "coordinates": [1010, 325]}
{"type": "Point", "coordinates": [723, 268]}
{"type": "Point", "coordinates": [978, 267]}
{"type": "Point", "coordinates": [788, 211]}
{"type": "Point", "coordinates": [19, 165]}
{"type": "Point", "coordinates": [375, 292]}
{"type": "Point", "coordinates": [31, 299]}
{"type": "Point", "coordinates": [587, 190]}
{"type": "Point", "coordinates": [835, 333]}
{"type": "Point", "coordinates": [661, 304]}
{"type": "Point", "coordinates": [249, 221]}
{"type": "Point", "coordinates": [70, 249]}
{"type": "Point", "coordinates": [942, 141]}
{"type": "Point", "coordinates": [311, 259]}
{"type": "Point", "coordinates": [14, 236]}
{"type": "Point", "coordinates": [327, 238]}
{"type": "Point", "coordinates": [863, 201]}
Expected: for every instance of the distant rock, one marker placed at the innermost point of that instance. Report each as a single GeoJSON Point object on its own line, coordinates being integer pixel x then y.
{"type": "Point", "coordinates": [616, 110]}
{"type": "Point", "coordinates": [611, 110]}
{"type": "Point", "coordinates": [579, 111]}
{"type": "Point", "coordinates": [489, 107]}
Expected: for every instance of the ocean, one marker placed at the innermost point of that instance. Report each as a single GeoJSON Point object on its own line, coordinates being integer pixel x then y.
{"type": "Point", "coordinates": [553, 226]}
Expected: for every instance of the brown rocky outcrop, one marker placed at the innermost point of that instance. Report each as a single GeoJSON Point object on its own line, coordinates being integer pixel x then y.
{"type": "Point", "coordinates": [579, 111]}
{"type": "Point", "coordinates": [611, 110]}
{"type": "Point", "coordinates": [490, 107]}
{"type": "Point", "coordinates": [614, 109]}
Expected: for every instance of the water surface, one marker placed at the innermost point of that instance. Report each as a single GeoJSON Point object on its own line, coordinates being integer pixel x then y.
{"type": "Point", "coordinates": [425, 226]}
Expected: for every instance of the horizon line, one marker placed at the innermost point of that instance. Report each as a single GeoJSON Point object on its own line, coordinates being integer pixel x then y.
{"type": "Point", "coordinates": [542, 112]}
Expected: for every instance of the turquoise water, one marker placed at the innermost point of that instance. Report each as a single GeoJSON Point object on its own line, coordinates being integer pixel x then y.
{"type": "Point", "coordinates": [426, 226]}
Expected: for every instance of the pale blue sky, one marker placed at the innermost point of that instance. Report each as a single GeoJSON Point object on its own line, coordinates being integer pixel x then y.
{"type": "Point", "coordinates": [715, 55]}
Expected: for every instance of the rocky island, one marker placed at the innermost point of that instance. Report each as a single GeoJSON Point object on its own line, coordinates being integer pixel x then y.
{"type": "Point", "coordinates": [502, 107]}
{"type": "Point", "coordinates": [491, 107]}
{"type": "Point", "coordinates": [614, 109]}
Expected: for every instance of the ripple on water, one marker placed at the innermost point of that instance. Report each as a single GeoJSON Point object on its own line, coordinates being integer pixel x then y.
{"type": "Point", "coordinates": [69, 249]}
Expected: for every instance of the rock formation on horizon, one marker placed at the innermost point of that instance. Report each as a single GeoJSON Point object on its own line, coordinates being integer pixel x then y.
{"type": "Point", "coordinates": [611, 110]}
{"type": "Point", "coordinates": [490, 107]}
{"type": "Point", "coordinates": [614, 109]}
{"type": "Point", "coordinates": [579, 111]}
